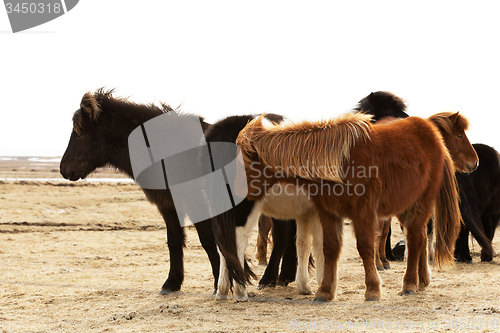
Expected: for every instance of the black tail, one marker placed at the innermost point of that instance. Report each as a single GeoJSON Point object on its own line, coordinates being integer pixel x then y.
{"type": "Point", "coordinates": [473, 223]}
{"type": "Point", "coordinates": [224, 225]}
{"type": "Point", "coordinates": [224, 228]}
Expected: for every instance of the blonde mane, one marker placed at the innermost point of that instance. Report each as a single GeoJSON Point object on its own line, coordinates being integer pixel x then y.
{"type": "Point", "coordinates": [311, 149]}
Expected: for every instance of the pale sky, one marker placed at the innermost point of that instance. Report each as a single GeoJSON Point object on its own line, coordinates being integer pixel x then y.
{"type": "Point", "coordinates": [304, 60]}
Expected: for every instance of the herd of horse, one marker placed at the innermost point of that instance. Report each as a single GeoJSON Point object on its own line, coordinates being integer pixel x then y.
{"type": "Point", "coordinates": [303, 179]}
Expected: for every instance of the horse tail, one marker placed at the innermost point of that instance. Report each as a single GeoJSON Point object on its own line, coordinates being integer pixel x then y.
{"type": "Point", "coordinates": [447, 215]}
{"type": "Point", "coordinates": [473, 223]}
{"type": "Point", "coordinates": [224, 228]}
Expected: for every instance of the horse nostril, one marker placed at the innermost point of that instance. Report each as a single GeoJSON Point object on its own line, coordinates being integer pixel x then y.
{"type": "Point", "coordinates": [473, 167]}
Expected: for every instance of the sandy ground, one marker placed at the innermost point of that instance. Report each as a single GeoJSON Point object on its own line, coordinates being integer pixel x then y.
{"type": "Point", "coordinates": [83, 257]}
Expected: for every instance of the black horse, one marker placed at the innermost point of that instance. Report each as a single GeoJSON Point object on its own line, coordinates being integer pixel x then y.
{"type": "Point", "coordinates": [381, 105]}
{"type": "Point", "coordinates": [480, 204]}
{"type": "Point", "coordinates": [101, 127]}
{"type": "Point", "coordinates": [227, 130]}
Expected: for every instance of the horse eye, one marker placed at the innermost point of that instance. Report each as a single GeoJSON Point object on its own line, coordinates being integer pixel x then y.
{"type": "Point", "coordinates": [460, 136]}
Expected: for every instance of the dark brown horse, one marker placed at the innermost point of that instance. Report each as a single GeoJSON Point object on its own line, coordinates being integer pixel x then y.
{"type": "Point", "coordinates": [352, 169]}
{"type": "Point", "coordinates": [101, 127]}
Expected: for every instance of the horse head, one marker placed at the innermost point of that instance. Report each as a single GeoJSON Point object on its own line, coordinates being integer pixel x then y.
{"type": "Point", "coordinates": [85, 148]}
{"type": "Point", "coordinates": [452, 127]}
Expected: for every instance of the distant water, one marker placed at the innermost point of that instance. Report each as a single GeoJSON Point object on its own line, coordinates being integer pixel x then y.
{"type": "Point", "coordinates": [45, 160]}
{"type": "Point", "coordinates": [62, 180]}
{"type": "Point", "coordinates": [46, 168]}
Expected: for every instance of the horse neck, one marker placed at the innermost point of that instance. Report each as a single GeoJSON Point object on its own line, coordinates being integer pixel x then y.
{"type": "Point", "coordinates": [124, 122]}
{"type": "Point", "coordinates": [128, 121]}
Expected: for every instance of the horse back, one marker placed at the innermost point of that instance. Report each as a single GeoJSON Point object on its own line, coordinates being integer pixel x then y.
{"type": "Point", "coordinates": [406, 159]}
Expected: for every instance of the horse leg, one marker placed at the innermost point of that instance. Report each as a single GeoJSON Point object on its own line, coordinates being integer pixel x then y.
{"type": "Point", "coordinates": [332, 245]}
{"type": "Point", "coordinates": [388, 249]}
{"type": "Point", "coordinates": [386, 226]}
{"type": "Point", "coordinates": [364, 230]}
{"type": "Point", "coordinates": [490, 223]}
{"type": "Point", "coordinates": [462, 252]}
{"type": "Point", "coordinates": [262, 239]}
{"type": "Point", "coordinates": [424, 274]}
{"type": "Point", "coordinates": [270, 277]}
{"type": "Point", "coordinates": [380, 242]}
{"type": "Point", "coordinates": [207, 240]}
{"type": "Point", "coordinates": [415, 245]}
{"type": "Point", "coordinates": [430, 239]}
{"type": "Point", "coordinates": [223, 285]}
{"type": "Point", "coordinates": [289, 262]}
{"type": "Point", "coordinates": [317, 248]}
{"type": "Point", "coordinates": [176, 239]}
{"type": "Point", "coordinates": [303, 251]}
{"type": "Point", "coordinates": [242, 235]}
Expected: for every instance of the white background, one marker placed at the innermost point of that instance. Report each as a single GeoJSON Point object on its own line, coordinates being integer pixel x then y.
{"type": "Point", "coordinates": [304, 60]}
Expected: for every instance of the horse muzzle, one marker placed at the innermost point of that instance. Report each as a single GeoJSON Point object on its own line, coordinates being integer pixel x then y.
{"type": "Point", "coordinates": [470, 167]}
{"type": "Point", "coordinates": [69, 175]}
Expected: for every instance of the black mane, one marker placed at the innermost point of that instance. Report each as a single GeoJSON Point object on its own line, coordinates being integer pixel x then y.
{"type": "Point", "coordinates": [382, 104]}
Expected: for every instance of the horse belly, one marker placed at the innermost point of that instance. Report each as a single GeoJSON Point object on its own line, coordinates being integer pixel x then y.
{"type": "Point", "coordinates": [397, 196]}
{"type": "Point", "coordinates": [286, 201]}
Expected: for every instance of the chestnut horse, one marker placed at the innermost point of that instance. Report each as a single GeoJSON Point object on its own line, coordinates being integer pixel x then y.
{"type": "Point", "coordinates": [353, 169]}
{"type": "Point", "coordinates": [478, 192]}
{"type": "Point", "coordinates": [384, 106]}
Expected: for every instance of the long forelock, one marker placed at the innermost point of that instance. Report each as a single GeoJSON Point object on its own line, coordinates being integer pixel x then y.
{"type": "Point", "coordinates": [462, 122]}
{"type": "Point", "coordinates": [443, 121]}
{"type": "Point", "coordinates": [78, 122]}
{"type": "Point", "coordinates": [311, 149]}
{"type": "Point", "coordinates": [91, 105]}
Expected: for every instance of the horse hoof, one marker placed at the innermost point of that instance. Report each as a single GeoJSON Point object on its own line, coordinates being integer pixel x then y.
{"type": "Point", "coordinates": [220, 297]}
{"type": "Point", "coordinates": [264, 286]}
{"type": "Point", "coordinates": [241, 299]}
{"type": "Point", "coordinates": [166, 292]}
{"type": "Point", "coordinates": [387, 267]}
{"type": "Point", "coordinates": [407, 293]}
{"type": "Point", "coordinates": [372, 299]}
{"type": "Point", "coordinates": [380, 268]}
{"type": "Point", "coordinates": [320, 300]}
{"type": "Point", "coordinates": [283, 283]}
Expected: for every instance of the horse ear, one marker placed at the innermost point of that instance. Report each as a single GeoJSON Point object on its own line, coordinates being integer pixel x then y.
{"type": "Point", "coordinates": [89, 105]}
{"type": "Point", "coordinates": [453, 118]}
